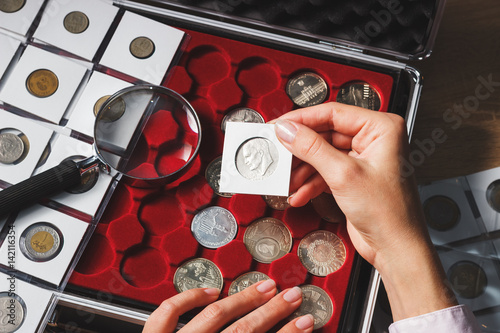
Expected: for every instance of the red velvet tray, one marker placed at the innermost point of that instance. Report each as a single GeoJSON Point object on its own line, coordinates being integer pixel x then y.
{"type": "Point", "coordinates": [145, 234]}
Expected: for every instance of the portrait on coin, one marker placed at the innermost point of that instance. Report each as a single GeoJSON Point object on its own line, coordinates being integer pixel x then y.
{"type": "Point", "coordinates": [258, 159]}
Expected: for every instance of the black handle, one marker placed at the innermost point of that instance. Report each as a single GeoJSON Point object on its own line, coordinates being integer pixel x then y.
{"type": "Point", "coordinates": [33, 189]}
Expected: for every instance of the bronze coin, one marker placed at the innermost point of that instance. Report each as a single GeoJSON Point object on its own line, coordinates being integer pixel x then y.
{"type": "Point", "coordinates": [359, 94]}
{"type": "Point", "coordinates": [441, 213]}
{"type": "Point", "coordinates": [42, 83]}
{"type": "Point", "coordinates": [307, 89]}
{"type": "Point", "coordinates": [76, 22]}
{"type": "Point", "coordinates": [11, 6]}
{"type": "Point", "coordinates": [142, 47]}
{"type": "Point", "coordinates": [468, 279]}
{"type": "Point", "coordinates": [493, 195]}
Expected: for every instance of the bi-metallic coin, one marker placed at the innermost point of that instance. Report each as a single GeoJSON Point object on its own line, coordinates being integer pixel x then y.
{"type": "Point", "coordinates": [214, 227]}
{"type": "Point", "coordinates": [11, 6]}
{"type": "Point", "coordinates": [307, 89]}
{"type": "Point", "coordinates": [11, 148]}
{"type": "Point", "coordinates": [315, 301]}
{"type": "Point", "coordinates": [359, 94]}
{"type": "Point", "coordinates": [276, 202]}
{"type": "Point", "coordinates": [242, 115]}
{"type": "Point", "coordinates": [267, 239]}
{"type": "Point", "coordinates": [441, 212]}
{"type": "Point", "coordinates": [41, 242]}
{"type": "Point", "coordinates": [42, 83]}
{"type": "Point", "coordinates": [142, 47]}
{"type": "Point", "coordinates": [12, 312]}
{"type": "Point", "coordinates": [244, 281]}
{"type": "Point", "coordinates": [321, 252]}
{"type": "Point", "coordinates": [468, 279]}
{"type": "Point", "coordinates": [213, 174]}
{"type": "Point", "coordinates": [257, 159]}
{"type": "Point", "coordinates": [76, 22]}
{"type": "Point", "coordinates": [198, 273]}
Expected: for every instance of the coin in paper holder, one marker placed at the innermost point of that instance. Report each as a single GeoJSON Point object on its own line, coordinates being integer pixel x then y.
{"type": "Point", "coordinates": [198, 273]}
{"type": "Point", "coordinates": [214, 227]}
{"type": "Point", "coordinates": [142, 47]}
{"type": "Point", "coordinates": [321, 252]}
{"type": "Point", "coordinates": [41, 241]}
{"type": "Point", "coordinates": [243, 115]}
{"type": "Point", "coordinates": [359, 94]}
{"type": "Point", "coordinates": [11, 303]}
{"type": "Point", "coordinates": [315, 301]}
{"type": "Point", "coordinates": [254, 161]}
{"type": "Point", "coordinates": [42, 83]}
{"type": "Point", "coordinates": [11, 6]}
{"type": "Point", "coordinates": [112, 112]}
{"type": "Point", "coordinates": [76, 22]}
{"type": "Point", "coordinates": [267, 239]}
{"type": "Point", "coordinates": [468, 279]}
{"type": "Point", "coordinates": [12, 148]}
{"type": "Point", "coordinates": [441, 212]}
{"type": "Point", "coordinates": [493, 195]}
{"type": "Point", "coordinates": [307, 89]}
{"type": "Point", "coordinates": [244, 281]}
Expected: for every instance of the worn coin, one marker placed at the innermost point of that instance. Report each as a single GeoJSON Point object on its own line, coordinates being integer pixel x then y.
{"type": "Point", "coordinates": [11, 6]}
{"type": "Point", "coordinates": [267, 239]}
{"type": "Point", "coordinates": [197, 273]}
{"type": "Point", "coordinates": [321, 252]}
{"type": "Point", "coordinates": [315, 301]}
{"type": "Point", "coordinates": [11, 148]}
{"type": "Point", "coordinates": [42, 83]}
{"type": "Point", "coordinates": [307, 89]}
{"type": "Point", "coordinates": [244, 281]}
{"type": "Point", "coordinates": [257, 159]}
{"type": "Point", "coordinates": [214, 227]}
{"type": "Point", "coordinates": [242, 115]}
{"type": "Point", "coordinates": [213, 174]}
{"type": "Point", "coordinates": [276, 202]}
{"type": "Point", "coordinates": [441, 212]}
{"type": "Point", "coordinates": [112, 112]}
{"type": "Point", "coordinates": [142, 47]}
{"type": "Point", "coordinates": [76, 22]}
{"type": "Point", "coordinates": [326, 207]}
{"type": "Point", "coordinates": [41, 242]}
{"type": "Point", "coordinates": [11, 304]}
{"type": "Point", "coordinates": [359, 94]}
{"type": "Point", "coordinates": [493, 195]}
{"type": "Point", "coordinates": [468, 279]}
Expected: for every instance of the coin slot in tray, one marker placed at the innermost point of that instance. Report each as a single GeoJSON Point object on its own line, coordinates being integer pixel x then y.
{"type": "Point", "coordinates": [258, 76]}
{"type": "Point", "coordinates": [160, 215]}
{"type": "Point", "coordinates": [140, 259]}
{"type": "Point", "coordinates": [101, 258]}
{"type": "Point", "coordinates": [208, 65]}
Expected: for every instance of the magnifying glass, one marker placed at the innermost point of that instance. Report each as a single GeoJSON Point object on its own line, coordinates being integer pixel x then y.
{"type": "Point", "coordinates": [144, 135]}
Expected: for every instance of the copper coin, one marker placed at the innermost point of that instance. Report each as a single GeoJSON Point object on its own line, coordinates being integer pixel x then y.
{"type": "Point", "coordinates": [326, 207]}
{"type": "Point", "coordinates": [246, 280]}
{"type": "Point", "coordinates": [493, 195]}
{"type": "Point", "coordinates": [359, 94]}
{"type": "Point", "coordinates": [11, 6]}
{"type": "Point", "coordinates": [142, 47]}
{"type": "Point", "coordinates": [76, 22]}
{"type": "Point", "coordinates": [315, 301]}
{"type": "Point", "coordinates": [198, 273]}
{"type": "Point", "coordinates": [276, 202]}
{"type": "Point", "coordinates": [307, 89]}
{"type": "Point", "coordinates": [267, 239]}
{"type": "Point", "coordinates": [441, 213]}
{"type": "Point", "coordinates": [42, 83]}
{"type": "Point", "coordinates": [321, 252]}
{"type": "Point", "coordinates": [468, 279]}
{"type": "Point", "coordinates": [11, 148]}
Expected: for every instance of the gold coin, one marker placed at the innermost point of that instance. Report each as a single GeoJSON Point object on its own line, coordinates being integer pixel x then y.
{"type": "Point", "coordinates": [76, 22]}
{"type": "Point", "coordinates": [321, 252]}
{"type": "Point", "coordinates": [42, 241]}
{"type": "Point", "coordinates": [99, 103]}
{"type": "Point", "coordinates": [142, 47]}
{"type": "Point", "coordinates": [42, 83]}
{"type": "Point", "coordinates": [11, 6]}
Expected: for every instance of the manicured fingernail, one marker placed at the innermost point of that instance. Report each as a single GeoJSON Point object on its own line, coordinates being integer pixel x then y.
{"type": "Point", "coordinates": [212, 291]}
{"type": "Point", "coordinates": [285, 130]}
{"type": "Point", "coordinates": [293, 295]}
{"type": "Point", "coordinates": [266, 286]}
{"type": "Point", "coordinates": [289, 198]}
{"type": "Point", "coordinates": [305, 322]}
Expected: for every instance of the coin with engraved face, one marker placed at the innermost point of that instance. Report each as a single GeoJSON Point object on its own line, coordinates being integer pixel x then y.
{"type": "Point", "coordinates": [213, 174]}
{"type": "Point", "coordinates": [112, 112]}
{"type": "Point", "coordinates": [315, 301]}
{"type": "Point", "coordinates": [41, 242]}
{"type": "Point", "coordinates": [493, 195]}
{"type": "Point", "coordinates": [326, 207]}
{"type": "Point", "coordinates": [321, 252]}
{"type": "Point", "coordinates": [307, 89]}
{"type": "Point", "coordinates": [441, 212]}
{"type": "Point", "coordinates": [359, 94]}
{"type": "Point", "coordinates": [468, 279]}
{"type": "Point", "coordinates": [244, 281]}
{"type": "Point", "coordinates": [267, 239]}
{"type": "Point", "coordinates": [11, 6]}
{"type": "Point", "coordinates": [257, 159]}
{"type": "Point", "coordinates": [76, 22]}
{"type": "Point", "coordinates": [197, 273]}
{"type": "Point", "coordinates": [214, 227]}
{"type": "Point", "coordinates": [142, 47]}
{"type": "Point", "coordinates": [242, 115]}
{"type": "Point", "coordinates": [12, 312]}
{"type": "Point", "coordinates": [42, 83]}
{"type": "Point", "coordinates": [276, 202]}
{"type": "Point", "coordinates": [11, 148]}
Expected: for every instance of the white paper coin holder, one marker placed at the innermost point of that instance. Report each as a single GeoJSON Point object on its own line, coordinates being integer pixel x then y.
{"type": "Point", "coordinates": [21, 21]}
{"type": "Point", "coordinates": [232, 181]}
{"type": "Point", "coordinates": [479, 183]}
{"type": "Point", "coordinates": [9, 47]}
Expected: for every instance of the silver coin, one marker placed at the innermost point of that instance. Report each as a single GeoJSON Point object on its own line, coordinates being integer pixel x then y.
{"type": "Point", "coordinates": [257, 159]}
{"type": "Point", "coordinates": [276, 202]}
{"type": "Point", "coordinates": [198, 273]}
{"type": "Point", "coordinates": [321, 252]}
{"type": "Point", "coordinates": [212, 174]}
{"type": "Point", "coordinates": [267, 239]}
{"type": "Point", "coordinates": [242, 115]}
{"type": "Point", "coordinates": [359, 94]}
{"type": "Point", "coordinates": [11, 148]}
{"type": "Point", "coordinates": [315, 301]}
{"type": "Point", "coordinates": [214, 227]}
{"type": "Point", "coordinates": [41, 242]}
{"type": "Point", "coordinates": [326, 207]}
{"type": "Point", "coordinates": [468, 279]}
{"type": "Point", "coordinates": [12, 312]}
{"type": "Point", "coordinates": [76, 22]}
{"type": "Point", "coordinates": [244, 281]}
{"type": "Point", "coordinates": [307, 89]}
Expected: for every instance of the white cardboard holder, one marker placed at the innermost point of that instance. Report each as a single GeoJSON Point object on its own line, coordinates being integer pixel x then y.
{"type": "Point", "coordinates": [9, 47]}
{"type": "Point", "coordinates": [20, 22]}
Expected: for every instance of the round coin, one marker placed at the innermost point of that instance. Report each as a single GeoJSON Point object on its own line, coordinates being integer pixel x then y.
{"type": "Point", "coordinates": [441, 213]}
{"type": "Point", "coordinates": [88, 178]}
{"type": "Point", "coordinates": [11, 6]}
{"type": "Point", "coordinates": [244, 281]}
{"type": "Point", "coordinates": [212, 174]}
{"type": "Point", "coordinates": [142, 47]}
{"type": "Point", "coordinates": [41, 242]}
{"type": "Point", "coordinates": [359, 94]}
{"type": "Point", "coordinates": [468, 279]}
{"type": "Point", "coordinates": [307, 89]}
{"type": "Point", "coordinates": [321, 252]}
{"type": "Point", "coordinates": [42, 83]}
{"type": "Point", "coordinates": [11, 148]}
{"type": "Point", "coordinates": [493, 195]}
{"type": "Point", "coordinates": [326, 207]}
{"type": "Point", "coordinates": [242, 115]}
{"type": "Point", "coordinates": [315, 301]}
{"type": "Point", "coordinates": [267, 239]}
{"type": "Point", "coordinates": [112, 112]}
{"type": "Point", "coordinates": [11, 304]}
{"type": "Point", "coordinates": [276, 202]}
{"type": "Point", "coordinates": [214, 227]}
{"type": "Point", "coordinates": [76, 22]}
{"type": "Point", "coordinates": [257, 159]}
{"type": "Point", "coordinates": [197, 273]}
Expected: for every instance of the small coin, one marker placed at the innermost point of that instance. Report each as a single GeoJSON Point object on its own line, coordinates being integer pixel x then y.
{"type": "Point", "coordinates": [257, 159]}
{"type": "Point", "coordinates": [11, 148]}
{"type": "Point", "coordinates": [276, 202]}
{"type": "Point", "coordinates": [359, 94]}
{"type": "Point", "coordinates": [493, 195]}
{"type": "Point", "coordinates": [197, 273]}
{"type": "Point", "coordinates": [212, 174]}
{"type": "Point", "coordinates": [76, 22]}
{"type": "Point", "coordinates": [11, 6]}
{"type": "Point", "coordinates": [326, 207]}
{"type": "Point", "coordinates": [468, 279]}
{"type": "Point", "coordinates": [112, 112]}
{"type": "Point", "coordinates": [267, 239]}
{"type": "Point", "coordinates": [242, 115]}
{"type": "Point", "coordinates": [321, 252]}
{"type": "Point", "coordinates": [214, 227]}
{"type": "Point", "coordinates": [12, 312]}
{"type": "Point", "coordinates": [41, 242]}
{"type": "Point", "coordinates": [88, 178]}
{"type": "Point", "coordinates": [42, 83]}
{"type": "Point", "coordinates": [142, 47]}
{"type": "Point", "coordinates": [441, 213]}
{"type": "Point", "coordinates": [315, 301]}
{"type": "Point", "coordinates": [307, 89]}
{"type": "Point", "coordinates": [244, 281]}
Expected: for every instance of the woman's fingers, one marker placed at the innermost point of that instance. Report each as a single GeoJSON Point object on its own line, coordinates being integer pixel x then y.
{"type": "Point", "coordinates": [309, 189]}
{"type": "Point", "coordinates": [304, 324]}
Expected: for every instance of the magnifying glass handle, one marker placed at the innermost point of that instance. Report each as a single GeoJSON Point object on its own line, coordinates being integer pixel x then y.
{"type": "Point", "coordinates": [33, 189]}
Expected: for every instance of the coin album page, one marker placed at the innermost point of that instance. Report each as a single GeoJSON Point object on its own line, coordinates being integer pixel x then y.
{"type": "Point", "coordinates": [21, 21]}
